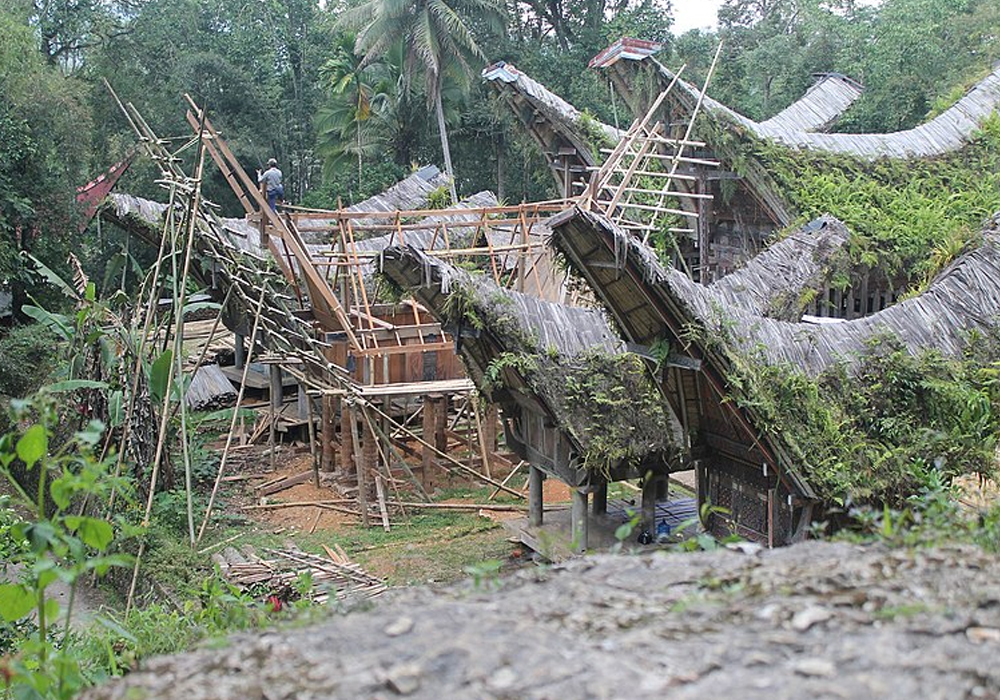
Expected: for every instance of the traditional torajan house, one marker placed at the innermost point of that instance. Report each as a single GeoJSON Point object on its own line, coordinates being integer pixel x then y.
{"type": "Point", "coordinates": [752, 194]}
{"type": "Point", "coordinates": [738, 222]}
{"type": "Point", "coordinates": [749, 467]}
{"type": "Point", "coordinates": [578, 404]}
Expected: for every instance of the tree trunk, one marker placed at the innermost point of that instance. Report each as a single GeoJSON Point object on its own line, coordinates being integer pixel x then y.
{"type": "Point", "coordinates": [445, 148]}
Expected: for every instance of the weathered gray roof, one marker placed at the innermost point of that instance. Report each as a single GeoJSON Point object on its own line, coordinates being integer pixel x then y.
{"type": "Point", "coordinates": [821, 105]}
{"type": "Point", "coordinates": [412, 192]}
{"type": "Point", "coordinates": [409, 193]}
{"type": "Point", "coordinates": [962, 299]}
{"type": "Point", "coordinates": [553, 346]}
{"type": "Point", "coordinates": [569, 330]}
{"type": "Point", "coordinates": [554, 108]}
{"type": "Point", "coordinates": [949, 131]}
{"type": "Point", "coordinates": [771, 282]}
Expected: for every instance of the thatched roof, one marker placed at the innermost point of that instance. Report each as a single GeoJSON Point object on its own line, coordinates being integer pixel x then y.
{"type": "Point", "coordinates": [755, 365]}
{"type": "Point", "coordinates": [962, 299]}
{"type": "Point", "coordinates": [949, 131]}
{"type": "Point", "coordinates": [548, 104]}
{"type": "Point", "coordinates": [771, 283]}
{"type": "Point", "coordinates": [532, 352]}
{"type": "Point", "coordinates": [817, 110]}
{"type": "Point", "coordinates": [246, 237]}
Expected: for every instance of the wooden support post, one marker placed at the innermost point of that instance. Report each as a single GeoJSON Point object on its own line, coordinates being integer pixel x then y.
{"type": "Point", "coordinates": [601, 499]}
{"type": "Point", "coordinates": [440, 438]}
{"type": "Point", "coordinates": [240, 350]}
{"type": "Point", "coordinates": [328, 433]}
{"type": "Point", "coordinates": [580, 521]}
{"type": "Point", "coordinates": [302, 402]}
{"type": "Point", "coordinates": [426, 454]}
{"type": "Point", "coordinates": [490, 423]}
{"type": "Point", "coordinates": [359, 465]}
{"type": "Point", "coordinates": [275, 400]}
{"type": "Point", "coordinates": [536, 496]}
{"type": "Point", "coordinates": [346, 444]}
{"type": "Point", "coordinates": [369, 458]}
{"type": "Point", "coordinates": [662, 487]}
{"type": "Point", "coordinates": [314, 449]}
{"type": "Point", "coordinates": [649, 488]}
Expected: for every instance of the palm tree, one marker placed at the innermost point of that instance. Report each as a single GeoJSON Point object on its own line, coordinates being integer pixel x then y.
{"type": "Point", "coordinates": [348, 124]}
{"type": "Point", "coordinates": [437, 41]}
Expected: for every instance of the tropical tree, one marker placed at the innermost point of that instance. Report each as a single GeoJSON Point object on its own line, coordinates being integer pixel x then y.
{"type": "Point", "coordinates": [348, 123]}
{"type": "Point", "coordinates": [438, 44]}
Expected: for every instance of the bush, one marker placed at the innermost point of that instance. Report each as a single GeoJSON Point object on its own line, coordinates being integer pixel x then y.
{"type": "Point", "coordinates": [26, 357]}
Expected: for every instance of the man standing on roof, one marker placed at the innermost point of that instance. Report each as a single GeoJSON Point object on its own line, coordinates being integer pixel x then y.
{"type": "Point", "coordinates": [271, 179]}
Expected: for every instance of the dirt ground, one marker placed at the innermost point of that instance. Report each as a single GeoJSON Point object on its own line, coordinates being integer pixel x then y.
{"type": "Point", "coordinates": [422, 546]}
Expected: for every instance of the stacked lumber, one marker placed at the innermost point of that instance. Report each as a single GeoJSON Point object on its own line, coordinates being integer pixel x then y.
{"type": "Point", "coordinates": [334, 575]}
{"type": "Point", "coordinates": [210, 389]}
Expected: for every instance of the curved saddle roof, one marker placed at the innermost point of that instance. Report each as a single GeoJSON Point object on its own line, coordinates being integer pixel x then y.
{"type": "Point", "coordinates": [552, 106]}
{"type": "Point", "coordinates": [963, 299]}
{"type": "Point", "coordinates": [817, 110]}
{"type": "Point", "coordinates": [947, 132]}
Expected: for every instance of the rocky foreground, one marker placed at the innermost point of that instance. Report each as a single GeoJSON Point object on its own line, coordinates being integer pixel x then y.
{"type": "Point", "coordinates": [815, 620]}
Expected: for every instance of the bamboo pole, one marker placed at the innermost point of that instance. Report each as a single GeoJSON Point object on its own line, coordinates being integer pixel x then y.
{"type": "Point", "coordinates": [232, 424]}
{"type": "Point", "coordinates": [507, 479]}
{"type": "Point", "coordinates": [358, 465]}
{"type": "Point", "coordinates": [449, 458]}
{"type": "Point", "coordinates": [179, 299]}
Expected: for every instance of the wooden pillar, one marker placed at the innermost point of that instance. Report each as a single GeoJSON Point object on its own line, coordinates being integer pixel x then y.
{"type": "Point", "coordinates": [426, 454]}
{"type": "Point", "coordinates": [601, 499]}
{"type": "Point", "coordinates": [662, 487]}
{"type": "Point", "coordinates": [275, 397]}
{"type": "Point", "coordinates": [491, 420]}
{"type": "Point", "coordinates": [346, 444]}
{"type": "Point", "coordinates": [648, 522]}
{"type": "Point", "coordinates": [580, 521]}
{"type": "Point", "coordinates": [302, 402]}
{"type": "Point", "coordinates": [240, 351]}
{"type": "Point", "coordinates": [328, 434]}
{"type": "Point", "coordinates": [359, 464]}
{"type": "Point", "coordinates": [440, 441]}
{"type": "Point", "coordinates": [536, 496]}
{"type": "Point", "coordinates": [369, 459]}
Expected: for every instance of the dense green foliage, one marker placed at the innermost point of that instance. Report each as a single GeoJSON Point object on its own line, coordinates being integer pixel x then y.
{"type": "Point", "coordinates": [873, 434]}
{"type": "Point", "coordinates": [906, 217]}
{"type": "Point", "coordinates": [607, 402]}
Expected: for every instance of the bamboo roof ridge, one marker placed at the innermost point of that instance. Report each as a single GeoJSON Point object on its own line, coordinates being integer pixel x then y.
{"type": "Point", "coordinates": [962, 299]}
{"type": "Point", "coordinates": [817, 110]}
{"type": "Point", "coordinates": [245, 236]}
{"type": "Point", "coordinates": [949, 131]}
{"type": "Point", "coordinates": [412, 192]}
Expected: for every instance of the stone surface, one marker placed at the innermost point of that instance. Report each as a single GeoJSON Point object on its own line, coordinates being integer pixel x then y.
{"type": "Point", "coordinates": [881, 623]}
